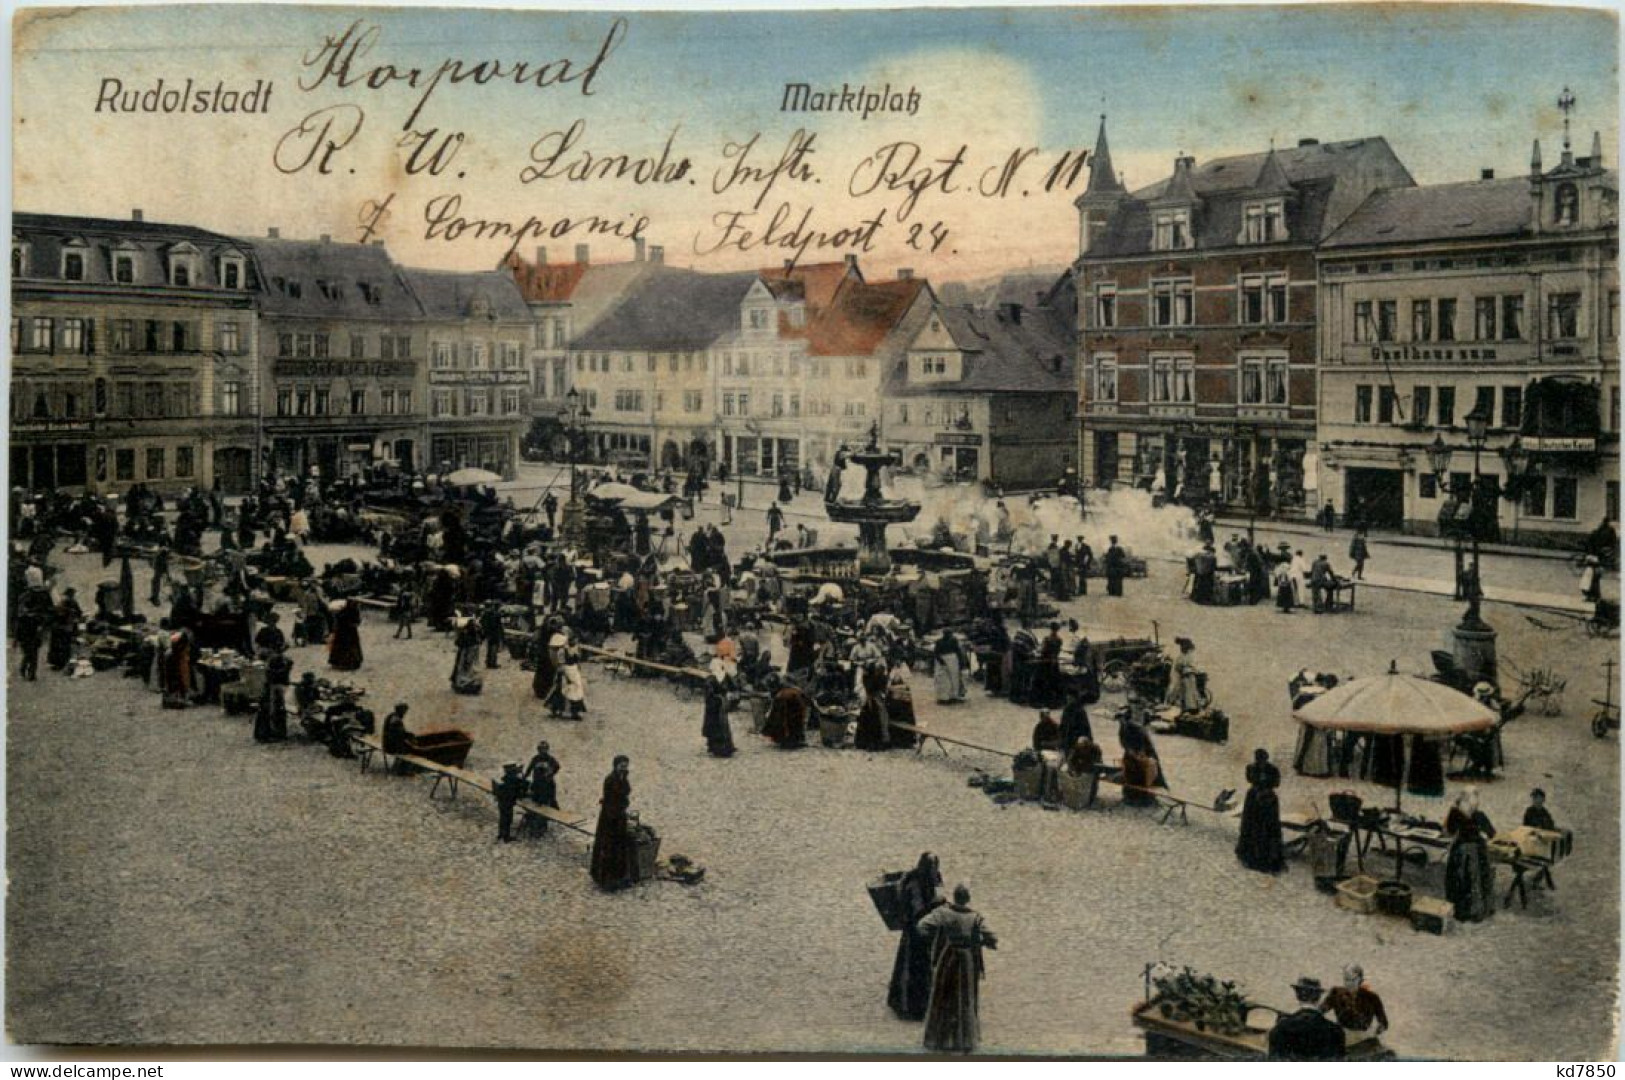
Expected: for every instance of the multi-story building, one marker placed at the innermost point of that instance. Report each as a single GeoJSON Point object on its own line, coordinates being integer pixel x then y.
{"type": "Point", "coordinates": [1196, 306]}
{"type": "Point", "coordinates": [133, 355]}
{"type": "Point", "coordinates": [759, 376]}
{"type": "Point", "coordinates": [479, 332]}
{"type": "Point", "coordinates": [986, 395]}
{"type": "Point", "coordinates": [342, 347]}
{"type": "Point", "coordinates": [643, 368]}
{"type": "Point", "coordinates": [1498, 297]}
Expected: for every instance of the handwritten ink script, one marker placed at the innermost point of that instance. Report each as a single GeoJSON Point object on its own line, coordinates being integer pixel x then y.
{"type": "Point", "coordinates": [796, 197]}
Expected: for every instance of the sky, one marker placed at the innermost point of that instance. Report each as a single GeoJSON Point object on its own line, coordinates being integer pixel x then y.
{"type": "Point", "coordinates": [1453, 87]}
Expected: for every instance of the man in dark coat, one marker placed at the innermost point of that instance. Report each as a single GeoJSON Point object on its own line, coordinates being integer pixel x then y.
{"type": "Point", "coordinates": [1306, 1035]}
{"type": "Point", "coordinates": [491, 630]}
{"type": "Point", "coordinates": [550, 507]}
{"type": "Point", "coordinates": [1084, 559]}
{"type": "Point", "coordinates": [160, 573]}
{"type": "Point", "coordinates": [509, 788]}
{"type": "Point", "coordinates": [542, 772]}
{"type": "Point", "coordinates": [1116, 565]}
{"type": "Point", "coordinates": [32, 614]}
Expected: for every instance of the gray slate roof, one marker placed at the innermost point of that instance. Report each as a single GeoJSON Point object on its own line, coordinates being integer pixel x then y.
{"type": "Point", "coordinates": [668, 309]}
{"type": "Point", "coordinates": [149, 242]}
{"type": "Point", "coordinates": [1033, 355]}
{"type": "Point", "coordinates": [1471, 210]}
{"type": "Point", "coordinates": [449, 294]}
{"type": "Point", "coordinates": [349, 266]}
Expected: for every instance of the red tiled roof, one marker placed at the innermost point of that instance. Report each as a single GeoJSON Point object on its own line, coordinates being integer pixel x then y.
{"type": "Point", "coordinates": [819, 281]}
{"type": "Point", "coordinates": [860, 316]}
{"type": "Point", "coordinates": [550, 282]}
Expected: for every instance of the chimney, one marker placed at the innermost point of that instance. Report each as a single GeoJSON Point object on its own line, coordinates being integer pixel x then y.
{"type": "Point", "coordinates": [377, 242]}
{"type": "Point", "coordinates": [851, 262]}
{"type": "Point", "coordinates": [274, 233]}
{"type": "Point", "coordinates": [905, 273]}
{"type": "Point", "coordinates": [137, 215]}
{"type": "Point", "coordinates": [637, 250]}
{"type": "Point", "coordinates": [657, 254]}
{"type": "Point", "coordinates": [1010, 313]}
{"type": "Point", "coordinates": [327, 238]}
{"type": "Point", "coordinates": [788, 263]}
{"type": "Point", "coordinates": [1308, 142]}
{"type": "Point", "coordinates": [541, 256]}
{"type": "Point", "coordinates": [581, 254]}
{"type": "Point", "coordinates": [1486, 174]}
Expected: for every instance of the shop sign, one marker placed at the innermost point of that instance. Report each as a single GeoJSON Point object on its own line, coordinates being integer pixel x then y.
{"type": "Point", "coordinates": [1553, 444]}
{"type": "Point", "coordinates": [952, 438]}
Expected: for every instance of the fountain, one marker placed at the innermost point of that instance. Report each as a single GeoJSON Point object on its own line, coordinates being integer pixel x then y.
{"type": "Point", "coordinates": [873, 512]}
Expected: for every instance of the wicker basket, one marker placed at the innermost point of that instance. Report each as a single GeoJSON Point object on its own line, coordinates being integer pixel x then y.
{"type": "Point", "coordinates": [1029, 781]}
{"type": "Point", "coordinates": [832, 729]}
{"type": "Point", "coordinates": [1077, 792]}
{"type": "Point", "coordinates": [1358, 894]}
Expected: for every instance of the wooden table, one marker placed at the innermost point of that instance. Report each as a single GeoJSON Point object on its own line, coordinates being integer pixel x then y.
{"type": "Point", "coordinates": [1167, 1037]}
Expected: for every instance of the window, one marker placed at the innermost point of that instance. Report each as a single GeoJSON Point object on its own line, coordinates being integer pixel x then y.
{"type": "Point", "coordinates": [694, 400]}
{"type": "Point", "coordinates": [284, 401]}
{"type": "Point", "coordinates": [1105, 306]}
{"type": "Point", "coordinates": [1252, 381]}
{"type": "Point", "coordinates": [16, 334]}
{"type": "Point", "coordinates": [322, 395]}
{"type": "Point", "coordinates": [1275, 385]}
{"type": "Point", "coordinates": [795, 404]}
{"type": "Point", "coordinates": [1565, 498]}
{"type": "Point", "coordinates": [778, 405]}
{"type": "Point", "coordinates": [629, 401]}
{"type": "Point", "coordinates": [155, 463]}
{"type": "Point", "coordinates": [1534, 495]}
{"type": "Point", "coordinates": [1365, 328]}
{"type": "Point", "coordinates": [1172, 230]}
{"type": "Point", "coordinates": [1263, 298]}
{"type": "Point", "coordinates": [1447, 406]}
{"type": "Point", "coordinates": [558, 334]}
{"type": "Point", "coordinates": [73, 266]}
{"type": "Point", "coordinates": [441, 353]}
{"type": "Point", "coordinates": [1484, 318]}
{"type": "Point", "coordinates": [1387, 320]}
{"type": "Point", "coordinates": [386, 402]}
{"type": "Point", "coordinates": [1612, 315]}
{"type": "Point", "coordinates": [510, 402]}
{"type": "Point", "coordinates": [358, 346]}
{"type": "Point", "coordinates": [479, 403]}
{"type": "Point", "coordinates": [510, 356]}
{"type": "Point", "coordinates": [1512, 317]}
{"type": "Point", "coordinates": [744, 404]}
{"type": "Point", "coordinates": [1264, 223]}
{"type": "Point", "coordinates": [44, 337]}
{"type": "Point", "coordinates": [758, 319]}
{"type": "Point", "coordinates": [180, 272]}
{"type": "Point", "coordinates": [1421, 320]}
{"type": "Point", "coordinates": [405, 397]}
{"type": "Point", "coordinates": [183, 463]}
{"type": "Point", "coordinates": [1512, 407]}
{"type": "Point", "coordinates": [73, 336]}
{"type": "Point", "coordinates": [1566, 207]}
{"type": "Point", "coordinates": [1184, 381]}
{"type": "Point", "coordinates": [284, 344]}
{"type": "Point", "coordinates": [124, 269]}
{"type": "Point", "coordinates": [123, 335]}
{"type": "Point", "coordinates": [1563, 315]}
{"type": "Point", "coordinates": [1386, 399]}
{"type": "Point", "coordinates": [727, 404]}
{"type": "Point", "coordinates": [302, 346]}
{"type": "Point", "coordinates": [1484, 403]}
{"type": "Point", "coordinates": [386, 347]}
{"type": "Point", "coordinates": [231, 399]}
{"type": "Point", "coordinates": [124, 465]}
{"type": "Point", "coordinates": [476, 356]}
{"type": "Point", "coordinates": [152, 399]}
{"type": "Point", "coordinates": [1421, 404]}
{"type": "Point", "coordinates": [301, 401]}
{"type": "Point", "coordinates": [230, 334]}
{"type": "Point", "coordinates": [1447, 318]}
{"type": "Point", "coordinates": [1106, 378]}
{"type": "Point", "coordinates": [358, 402]}
{"type": "Point", "coordinates": [1362, 404]}
{"type": "Point", "coordinates": [1171, 303]}
{"type": "Point", "coordinates": [19, 260]}
{"type": "Point", "coordinates": [178, 400]}
{"type": "Point", "coordinates": [441, 401]}
{"type": "Point", "coordinates": [231, 277]}
{"type": "Point", "coordinates": [1162, 371]}
{"type": "Point", "coordinates": [1427, 486]}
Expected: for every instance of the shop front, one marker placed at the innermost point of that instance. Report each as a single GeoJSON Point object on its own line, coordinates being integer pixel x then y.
{"type": "Point", "coordinates": [491, 450]}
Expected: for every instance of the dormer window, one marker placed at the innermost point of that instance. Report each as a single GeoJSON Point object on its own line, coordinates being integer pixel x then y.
{"type": "Point", "coordinates": [369, 292]}
{"type": "Point", "coordinates": [73, 266]}
{"type": "Point", "coordinates": [232, 273]}
{"type": "Point", "coordinates": [1264, 222]}
{"type": "Point", "coordinates": [19, 260]}
{"type": "Point", "coordinates": [1566, 208]}
{"type": "Point", "coordinates": [124, 268]}
{"type": "Point", "coordinates": [330, 290]}
{"type": "Point", "coordinates": [757, 318]}
{"type": "Point", "coordinates": [1172, 230]}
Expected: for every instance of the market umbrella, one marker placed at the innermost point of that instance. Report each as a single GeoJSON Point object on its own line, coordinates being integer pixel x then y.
{"type": "Point", "coordinates": [471, 477]}
{"type": "Point", "coordinates": [614, 491]}
{"type": "Point", "coordinates": [1396, 704]}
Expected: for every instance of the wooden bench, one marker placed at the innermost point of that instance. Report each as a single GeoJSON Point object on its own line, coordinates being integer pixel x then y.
{"type": "Point", "coordinates": [1530, 873]}
{"type": "Point", "coordinates": [921, 734]}
{"type": "Point", "coordinates": [454, 777]}
{"type": "Point", "coordinates": [365, 746]}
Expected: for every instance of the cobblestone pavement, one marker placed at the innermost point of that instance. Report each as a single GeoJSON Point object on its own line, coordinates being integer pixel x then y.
{"type": "Point", "coordinates": [172, 881]}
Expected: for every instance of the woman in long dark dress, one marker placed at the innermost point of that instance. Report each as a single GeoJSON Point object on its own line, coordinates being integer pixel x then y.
{"type": "Point", "coordinates": [542, 772]}
{"type": "Point", "coordinates": [1469, 876]}
{"type": "Point", "coordinates": [542, 683]}
{"type": "Point", "coordinates": [465, 672]}
{"type": "Point", "coordinates": [718, 734]}
{"type": "Point", "coordinates": [344, 647]}
{"type": "Point", "coordinates": [64, 631]}
{"type": "Point", "coordinates": [918, 892]}
{"type": "Point", "coordinates": [871, 733]}
{"type": "Point", "coordinates": [1260, 847]}
{"type": "Point", "coordinates": [899, 707]}
{"type": "Point", "coordinates": [613, 858]}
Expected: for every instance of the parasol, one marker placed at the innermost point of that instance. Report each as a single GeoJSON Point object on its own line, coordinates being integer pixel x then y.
{"type": "Point", "coordinates": [472, 477]}
{"type": "Point", "coordinates": [609, 491]}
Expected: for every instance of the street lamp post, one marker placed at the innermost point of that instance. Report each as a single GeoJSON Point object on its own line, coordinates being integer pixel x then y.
{"type": "Point", "coordinates": [575, 411]}
{"type": "Point", "coordinates": [1474, 639]}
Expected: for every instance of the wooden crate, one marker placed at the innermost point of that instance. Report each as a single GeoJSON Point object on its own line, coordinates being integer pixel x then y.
{"type": "Point", "coordinates": [1358, 894]}
{"type": "Point", "coordinates": [1432, 915]}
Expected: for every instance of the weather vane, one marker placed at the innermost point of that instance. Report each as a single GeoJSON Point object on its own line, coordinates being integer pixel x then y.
{"type": "Point", "coordinates": [1565, 103]}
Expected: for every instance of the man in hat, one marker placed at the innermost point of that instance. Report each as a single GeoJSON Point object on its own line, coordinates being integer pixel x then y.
{"type": "Point", "coordinates": [405, 612]}
{"type": "Point", "coordinates": [775, 521]}
{"type": "Point", "coordinates": [491, 630]}
{"type": "Point", "coordinates": [1116, 565]}
{"type": "Point", "coordinates": [1306, 1035]}
{"type": "Point", "coordinates": [1537, 816]}
{"type": "Point", "coordinates": [509, 788]}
